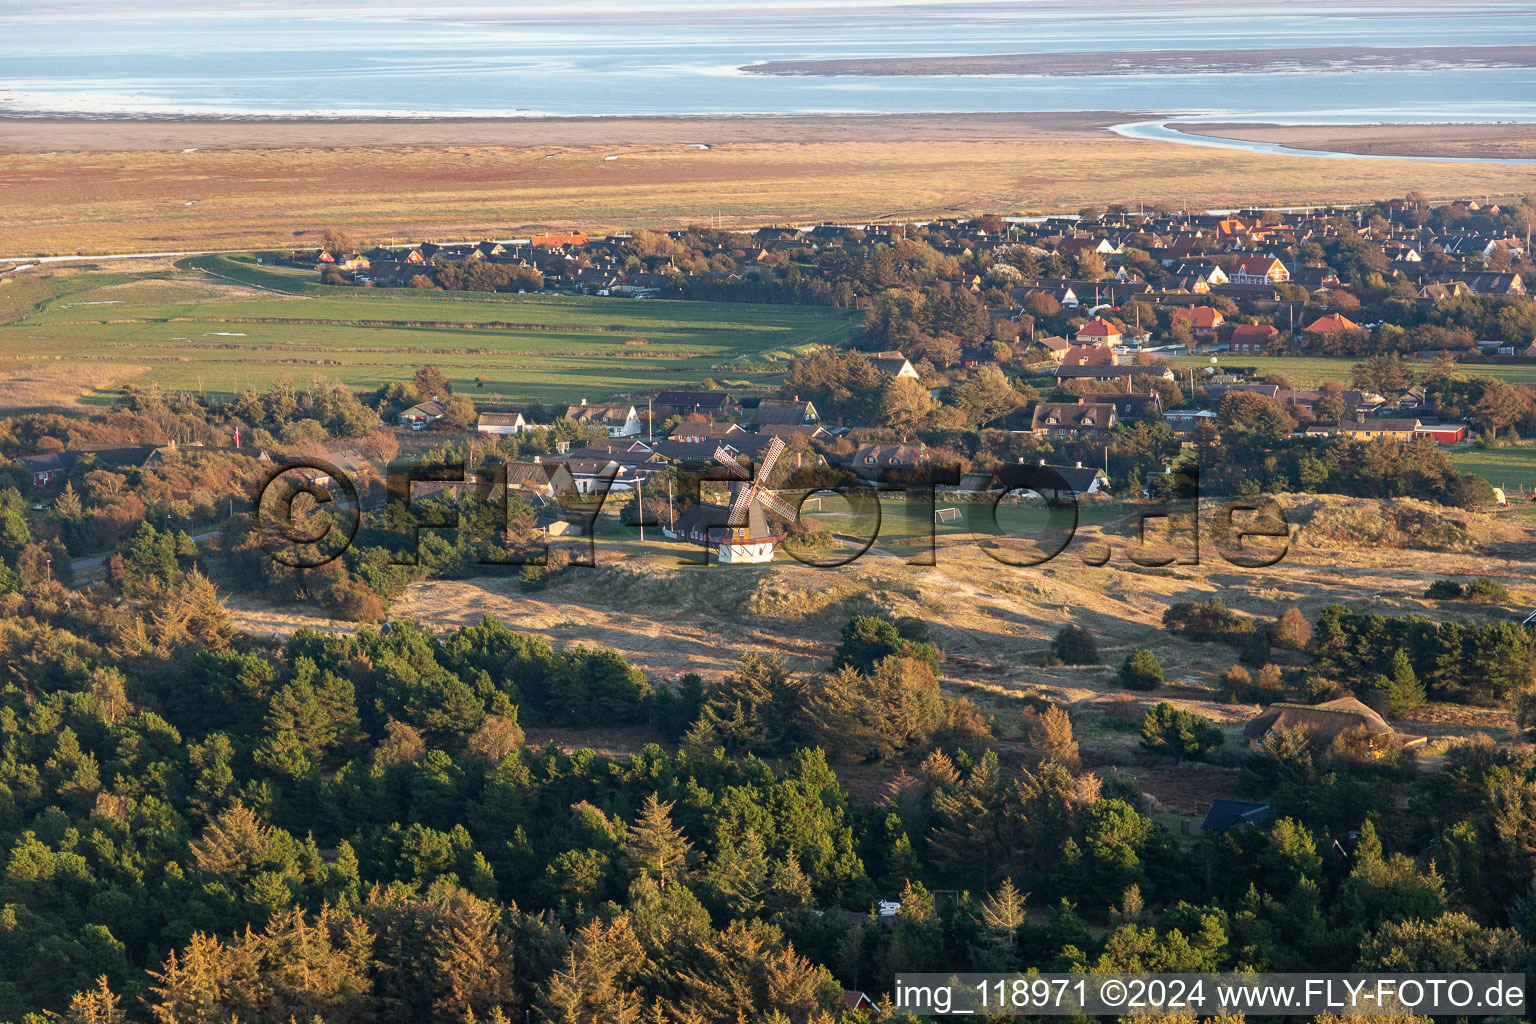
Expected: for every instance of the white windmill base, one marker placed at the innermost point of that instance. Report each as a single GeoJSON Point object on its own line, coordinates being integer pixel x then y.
{"type": "Point", "coordinates": [745, 552]}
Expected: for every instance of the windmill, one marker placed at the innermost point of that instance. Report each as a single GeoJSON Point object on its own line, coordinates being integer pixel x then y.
{"type": "Point", "coordinates": [747, 537]}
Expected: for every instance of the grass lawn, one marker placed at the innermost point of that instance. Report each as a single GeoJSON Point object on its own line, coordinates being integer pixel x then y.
{"type": "Point", "coordinates": [221, 325]}
{"type": "Point", "coordinates": [1309, 371]}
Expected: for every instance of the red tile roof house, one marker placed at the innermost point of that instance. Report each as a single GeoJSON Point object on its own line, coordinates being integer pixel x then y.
{"type": "Point", "coordinates": [1331, 322]}
{"type": "Point", "coordinates": [1098, 331]}
{"type": "Point", "coordinates": [1202, 320]}
{"type": "Point", "coordinates": [1251, 339]}
{"type": "Point", "coordinates": [1090, 355]}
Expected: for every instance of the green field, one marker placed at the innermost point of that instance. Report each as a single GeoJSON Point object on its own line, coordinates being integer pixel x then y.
{"type": "Point", "coordinates": [1309, 371]}
{"type": "Point", "coordinates": [1511, 467]}
{"type": "Point", "coordinates": [198, 329]}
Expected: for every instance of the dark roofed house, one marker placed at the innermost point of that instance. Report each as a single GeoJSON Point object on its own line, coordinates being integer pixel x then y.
{"type": "Point", "coordinates": [773, 412]}
{"type": "Point", "coordinates": [52, 466]}
{"type": "Point", "coordinates": [1223, 814]}
{"type": "Point", "coordinates": [1081, 481]}
{"type": "Point", "coordinates": [1069, 419]}
{"type": "Point", "coordinates": [698, 403]}
{"type": "Point", "coordinates": [1107, 373]}
{"type": "Point", "coordinates": [893, 364]}
{"type": "Point", "coordinates": [874, 461]}
{"type": "Point", "coordinates": [1131, 406]}
{"type": "Point", "coordinates": [418, 416]}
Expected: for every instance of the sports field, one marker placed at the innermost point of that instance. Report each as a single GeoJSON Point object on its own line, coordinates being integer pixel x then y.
{"type": "Point", "coordinates": [223, 324]}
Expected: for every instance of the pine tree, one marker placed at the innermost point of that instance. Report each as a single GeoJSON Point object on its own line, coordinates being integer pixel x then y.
{"type": "Point", "coordinates": [595, 985]}
{"type": "Point", "coordinates": [68, 505]}
{"type": "Point", "coordinates": [739, 873]}
{"type": "Point", "coordinates": [1002, 912]}
{"type": "Point", "coordinates": [1405, 693]}
{"type": "Point", "coordinates": [96, 1006]}
{"type": "Point", "coordinates": [1141, 670]}
{"type": "Point", "coordinates": [655, 844]}
{"type": "Point", "coordinates": [1050, 736]}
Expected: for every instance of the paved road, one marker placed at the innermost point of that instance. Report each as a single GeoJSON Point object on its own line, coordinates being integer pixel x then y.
{"type": "Point", "coordinates": [91, 563]}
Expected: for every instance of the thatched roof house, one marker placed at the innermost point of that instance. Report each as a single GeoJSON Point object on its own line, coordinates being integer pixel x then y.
{"type": "Point", "coordinates": [1322, 722]}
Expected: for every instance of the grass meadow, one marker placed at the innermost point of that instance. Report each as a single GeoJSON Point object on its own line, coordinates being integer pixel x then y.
{"type": "Point", "coordinates": [221, 325]}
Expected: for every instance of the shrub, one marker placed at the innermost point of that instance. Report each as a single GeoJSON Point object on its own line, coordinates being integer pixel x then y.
{"type": "Point", "coordinates": [1206, 621]}
{"type": "Point", "coordinates": [1141, 670]}
{"type": "Point", "coordinates": [1074, 645]}
{"type": "Point", "coordinates": [870, 639]}
{"type": "Point", "coordinates": [1291, 631]}
{"type": "Point", "coordinates": [1255, 648]}
{"type": "Point", "coordinates": [1180, 734]}
{"type": "Point", "coordinates": [1445, 590]}
{"type": "Point", "coordinates": [1487, 591]}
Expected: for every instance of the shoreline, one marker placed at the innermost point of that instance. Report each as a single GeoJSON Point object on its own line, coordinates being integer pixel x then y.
{"type": "Point", "coordinates": [1442, 140]}
{"type": "Point", "coordinates": [1140, 62]}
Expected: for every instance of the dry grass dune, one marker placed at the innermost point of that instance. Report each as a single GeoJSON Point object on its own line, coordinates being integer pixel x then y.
{"type": "Point", "coordinates": [993, 622]}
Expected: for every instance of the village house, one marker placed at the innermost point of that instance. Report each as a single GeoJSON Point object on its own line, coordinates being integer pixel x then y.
{"type": "Point", "coordinates": [49, 467]}
{"type": "Point", "coordinates": [1106, 373]}
{"type": "Point", "coordinates": [1202, 321]}
{"type": "Point", "coordinates": [1225, 814]}
{"type": "Point", "coordinates": [1080, 482]}
{"type": "Point", "coordinates": [418, 416]}
{"type": "Point", "coordinates": [776, 414]}
{"type": "Point", "coordinates": [1056, 348]}
{"type": "Point", "coordinates": [698, 431]}
{"type": "Point", "coordinates": [547, 480]}
{"type": "Point", "coordinates": [715, 404]}
{"type": "Point", "coordinates": [893, 364]}
{"type": "Point", "coordinates": [621, 420]}
{"type": "Point", "coordinates": [1251, 339]}
{"type": "Point", "coordinates": [1098, 331]}
{"type": "Point", "coordinates": [1090, 355]}
{"type": "Point", "coordinates": [1259, 270]}
{"type": "Point", "coordinates": [1072, 419]}
{"type": "Point", "coordinates": [1207, 273]}
{"type": "Point", "coordinates": [877, 461]}
{"type": "Point", "coordinates": [1329, 323]}
{"type": "Point", "coordinates": [1373, 429]}
{"type": "Point", "coordinates": [1321, 723]}
{"type": "Point", "coordinates": [501, 423]}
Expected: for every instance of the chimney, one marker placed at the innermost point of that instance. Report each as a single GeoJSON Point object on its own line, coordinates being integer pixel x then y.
{"type": "Point", "coordinates": [1078, 466]}
{"type": "Point", "coordinates": [1042, 461]}
{"type": "Point", "coordinates": [583, 401]}
{"type": "Point", "coordinates": [538, 459]}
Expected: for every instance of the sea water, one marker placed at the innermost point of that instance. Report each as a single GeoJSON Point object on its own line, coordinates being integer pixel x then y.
{"type": "Point", "coordinates": [656, 57]}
